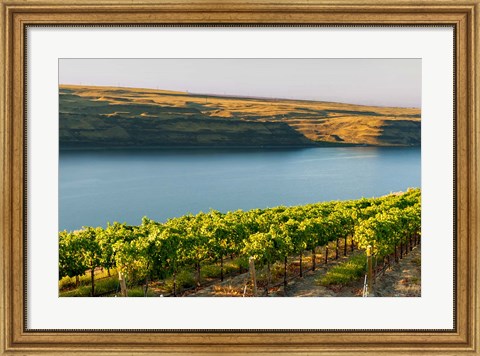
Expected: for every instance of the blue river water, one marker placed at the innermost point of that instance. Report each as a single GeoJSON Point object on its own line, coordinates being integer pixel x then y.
{"type": "Point", "coordinates": [96, 187]}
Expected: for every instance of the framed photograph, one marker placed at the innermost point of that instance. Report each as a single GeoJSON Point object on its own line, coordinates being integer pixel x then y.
{"type": "Point", "coordinates": [194, 177]}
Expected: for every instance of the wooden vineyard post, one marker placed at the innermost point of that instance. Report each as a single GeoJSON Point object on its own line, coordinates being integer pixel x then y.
{"type": "Point", "coordinates": [313, 259]}
{"type": "Point", "coordinates": [369, 270]}
{"type": "Point", "coordinates": [251, 262]}
{"type": "Point", "coordinates": [345, 246]}
{"type": "Point", "coordinates": [198, 276]}
{"type": "Point", "coordinates": [301, 266]}
{"type": "Point", "coordinates": [326, 254]}
{"type": "Point", "coordinates": [145, 288]}
{"type": "Point", "coordinates": [123, 285]}
{"type": "Point", "coordinates": [336, 250]}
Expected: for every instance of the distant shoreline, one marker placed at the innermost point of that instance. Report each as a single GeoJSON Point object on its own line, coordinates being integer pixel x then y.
{"type": "Point", "coordinates": [323, 145]}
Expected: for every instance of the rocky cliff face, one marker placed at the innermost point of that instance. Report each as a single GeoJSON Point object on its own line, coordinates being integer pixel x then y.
{"type": "Point", "coordinates": [104, 117]}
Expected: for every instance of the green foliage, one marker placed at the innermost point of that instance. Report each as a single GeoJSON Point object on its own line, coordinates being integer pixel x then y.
{"type": "Point", "coordinates": [391, 221]}
{"type": "Point", "coordinates": [210, 271]}
{"type": "Point", "coordinates": [85, 279]}
{"type": "Point", "coordinates": [194, 240]}
{"type": "Point", "coordinates": [139, 292]}
{"type": "Point", "coordinates": [82, 291]}
{"type": "Point", "coordinates": [71, 262]}
{"type": "Point", "coordinates": [101, 286]}
{"type": "Point", "coordinates": [114, 233]}
{"type": "Point", "coordinates": [261, 247]}
{"type": "Point", "coordinates": [240, 263]}
{"type": "Point", "coordinates": [185, 280]}
{"type": "Point", "coordinates": [345, 272]}
{"type": "Point", "coordinates": [132, 258]}
{"type": "Point", "coordinates": [91, 252]}
{"type": "Point", "coordinates": [235, 265]}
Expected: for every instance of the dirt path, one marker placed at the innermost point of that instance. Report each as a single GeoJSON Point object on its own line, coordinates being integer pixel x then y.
{"type": "Point", "coordinates": [403, 279]}
{"type": "Point", "coordinates": [400, 280]}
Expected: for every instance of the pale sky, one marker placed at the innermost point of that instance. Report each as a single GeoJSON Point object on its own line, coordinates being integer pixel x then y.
{"type": "Point", "coordinates": [382, 82]}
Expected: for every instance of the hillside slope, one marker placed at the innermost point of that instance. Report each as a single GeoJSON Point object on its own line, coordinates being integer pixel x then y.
{"type": "Point", "coordinates": [100, 117]}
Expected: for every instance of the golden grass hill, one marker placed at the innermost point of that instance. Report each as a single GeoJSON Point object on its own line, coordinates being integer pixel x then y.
{"type": "Point", "coordinates": [108, 117]}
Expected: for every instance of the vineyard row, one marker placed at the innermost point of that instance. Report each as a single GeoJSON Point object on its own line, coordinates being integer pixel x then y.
{"type": "Point", "coordinates": [154, 250]}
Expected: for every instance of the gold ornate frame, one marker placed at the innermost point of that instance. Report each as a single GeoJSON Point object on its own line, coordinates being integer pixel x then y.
{"type": "Point", "coordinates": [463, 15]}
